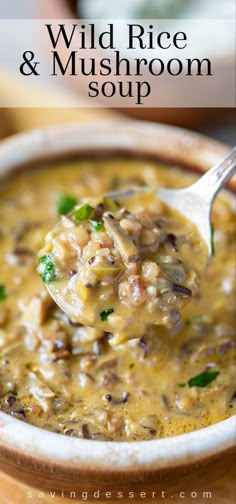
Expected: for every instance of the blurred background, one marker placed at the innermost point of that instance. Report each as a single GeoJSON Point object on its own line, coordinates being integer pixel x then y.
{"type": "Point", "coordinates": [217, 123]}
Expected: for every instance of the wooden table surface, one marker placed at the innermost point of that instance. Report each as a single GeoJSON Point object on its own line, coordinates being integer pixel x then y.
{"type": "Point", "coordinates": [222, 491]}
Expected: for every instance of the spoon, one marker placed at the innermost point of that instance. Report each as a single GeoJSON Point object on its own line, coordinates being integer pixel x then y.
{"type": "Point", "coordinates": [195, 201]}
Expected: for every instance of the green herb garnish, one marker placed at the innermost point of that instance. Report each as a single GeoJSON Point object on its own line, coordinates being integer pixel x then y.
{"type": "Point", "coordinates": [3, 295]}
{"type": "Point", "coordinates": [131, 366]}
{"type": "Point", "coordinates": [46, 268]}
{"type": "Point", "coordinates": [83, 213]}
{"type": "Point", "coordinates": [105, 314]}
{"type": "Point", "coordinates": [196, 318]}
{"type": "Point", "coordinates": [201, 380]}
{"type": "Point", "coordinates": [65, 203]}
{"type": "Point", "coordinates": [97, 225]}
{"type": "Point", "coordinates": [212, 240]}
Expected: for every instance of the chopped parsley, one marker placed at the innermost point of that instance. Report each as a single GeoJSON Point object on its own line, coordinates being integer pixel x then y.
{"type": "Point", "coordinates": [83, 213]}
{"type": "Point", "coordinates": [196, 318]}
{"type": "Point", "coordinates": [65, 203]}
{"type": "Point", "coordinates": [3, 295]}
{"type": "Point", "coordinates": [46, 268]}
{"type": "Point", "coordinates": [105, 314]}
{"type": "Point", "coordinates": [97, 225]}
{"type": "Point", "coordinates": [201, 380]}
{"type": "Point", "coordinates": [212, 240]}
{"type": "Point", "coordinates": [131, 366]}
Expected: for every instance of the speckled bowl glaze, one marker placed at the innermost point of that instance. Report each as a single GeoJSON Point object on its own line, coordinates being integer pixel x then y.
{"type": "Point", "coordinates": [52, 461]}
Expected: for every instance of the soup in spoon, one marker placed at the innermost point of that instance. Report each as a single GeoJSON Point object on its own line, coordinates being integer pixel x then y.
{"type": "Point", "coordinates": [121, 266]}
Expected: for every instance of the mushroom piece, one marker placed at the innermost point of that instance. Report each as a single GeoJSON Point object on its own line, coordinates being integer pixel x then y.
{"type": "Point", "coordinates": [124, 244]}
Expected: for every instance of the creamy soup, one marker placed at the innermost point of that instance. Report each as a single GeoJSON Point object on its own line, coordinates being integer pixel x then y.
{"type": "Point", "coordinates": [66, 377]}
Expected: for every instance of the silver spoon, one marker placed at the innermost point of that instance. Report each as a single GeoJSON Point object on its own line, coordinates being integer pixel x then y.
{"type": "Point", "coordinates": [194, 202]}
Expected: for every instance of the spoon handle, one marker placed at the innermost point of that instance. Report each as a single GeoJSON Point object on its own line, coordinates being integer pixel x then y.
{"type": "Point", "coordinates": [210, 184]}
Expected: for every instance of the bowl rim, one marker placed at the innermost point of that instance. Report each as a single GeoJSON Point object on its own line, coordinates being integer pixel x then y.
{"type": "Point", "coordinates": [170, 144]}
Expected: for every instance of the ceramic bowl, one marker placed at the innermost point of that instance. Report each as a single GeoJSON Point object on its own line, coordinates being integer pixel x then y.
{"type": "Point", "coordinates": [56, 462]}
